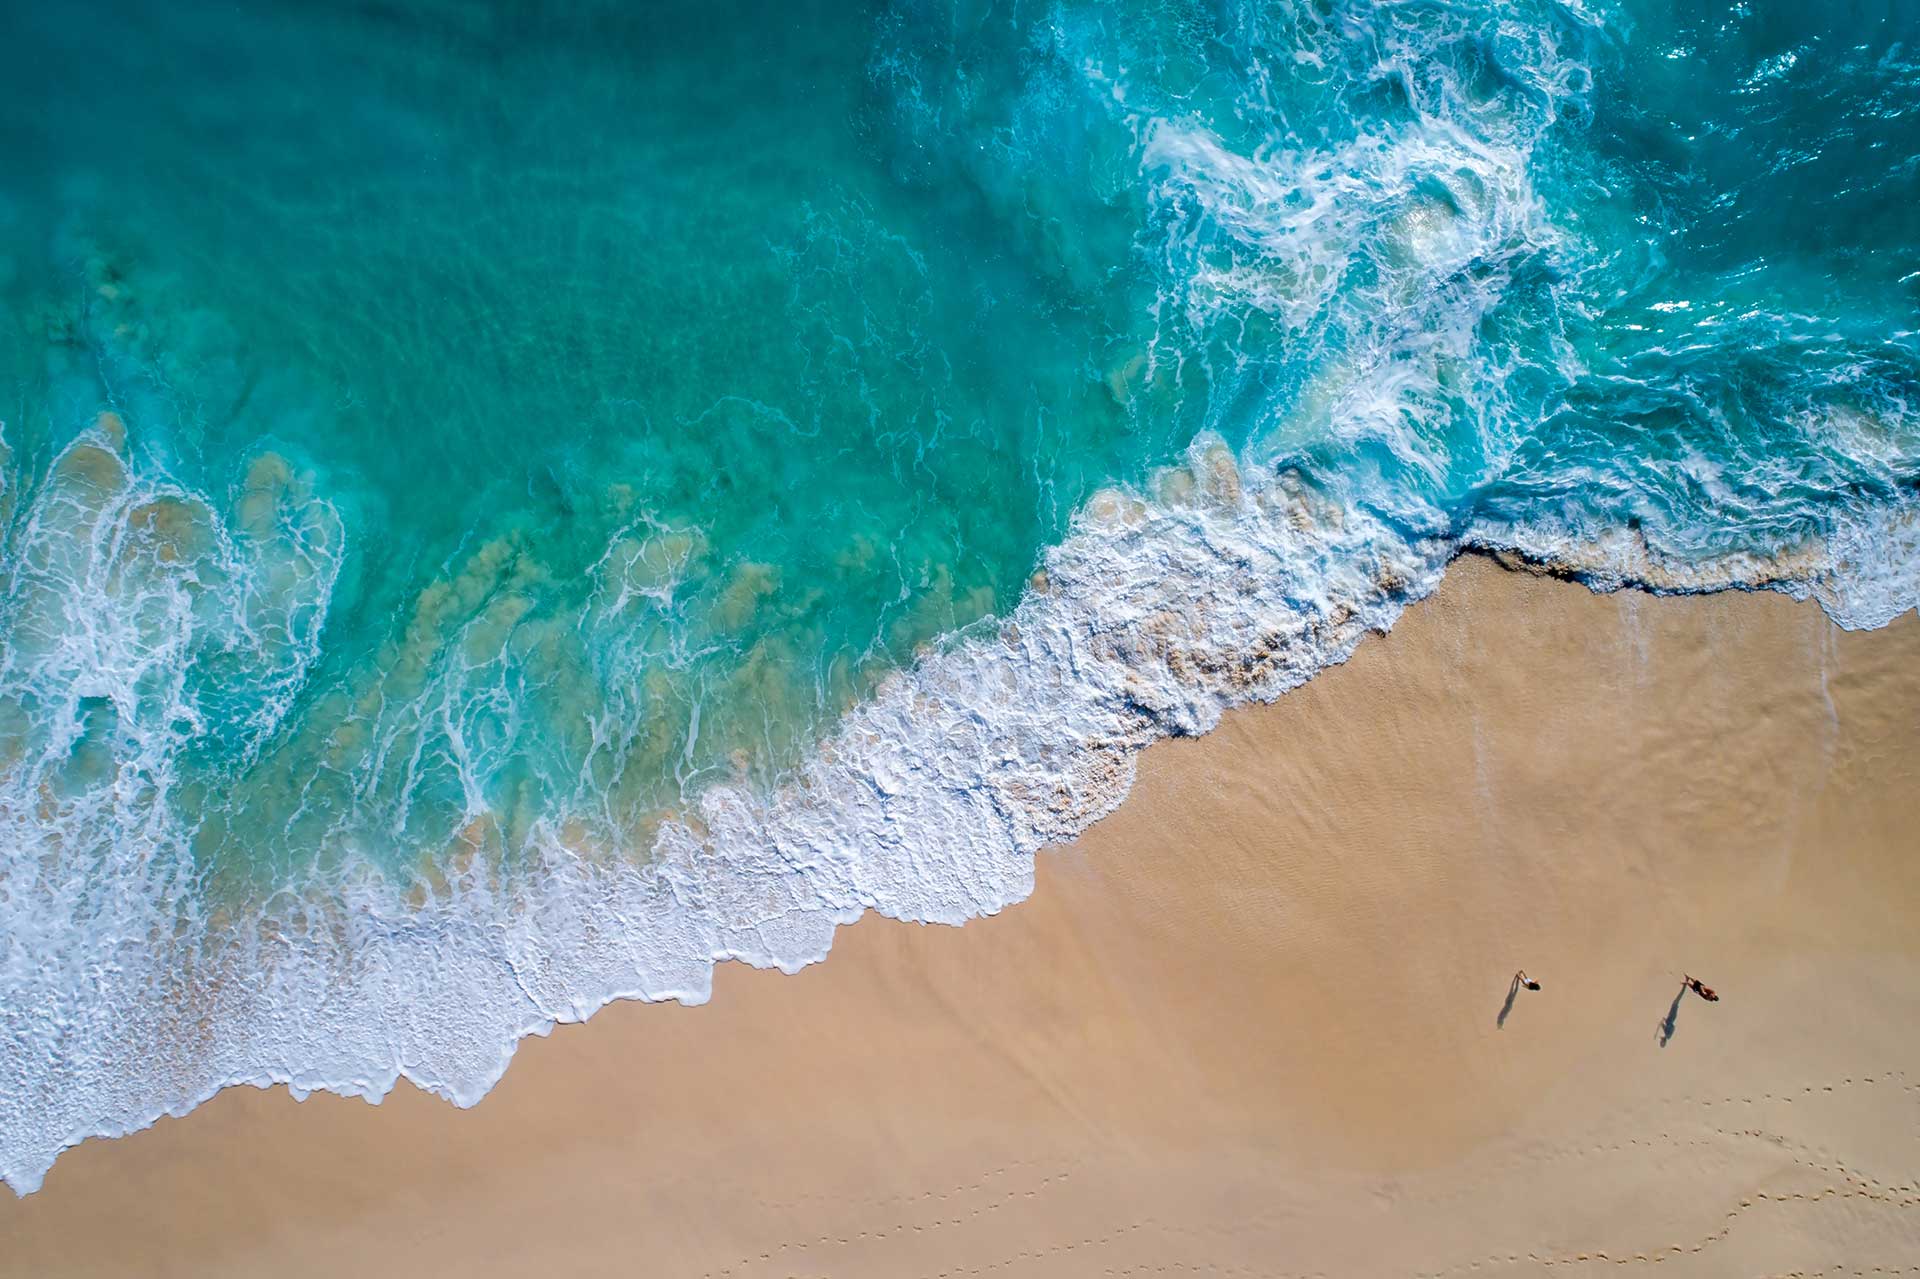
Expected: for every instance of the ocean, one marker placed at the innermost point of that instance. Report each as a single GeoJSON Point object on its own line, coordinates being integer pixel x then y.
{"type": "Point", "coordinates": [505, 507]}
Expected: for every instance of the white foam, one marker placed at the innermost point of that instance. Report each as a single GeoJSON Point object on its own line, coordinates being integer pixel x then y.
{"type": "Point", "coordinates": [1863, 571]}
{"type": "Point", "coordinates": [1873, 572]}
{"type": "Point", "coordinates": [1227, 585]}
{"type": "Point", "coordinates": [130, 606]}
{"type": "Point", "coordinates": [927, 804]}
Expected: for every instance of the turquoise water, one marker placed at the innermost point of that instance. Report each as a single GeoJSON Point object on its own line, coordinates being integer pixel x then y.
{"type": "Point", "coordinates": [551, 312]}
{"type": "Point", "coordinates": [458, 463]}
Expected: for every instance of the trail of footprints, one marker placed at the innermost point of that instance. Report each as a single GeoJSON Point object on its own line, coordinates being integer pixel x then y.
{"type": "Point", "coordinates": [1896, 1079]}
{"type": "Point", "coordinates": [1038, 1254]}
{"type": "Point", "coordinates": [1855, 1185]}
{"type": "Point", "coordinates": [827, 1199]}
{"type": "Point", "coordinates": [1834, 1272]}
{"type": "Point", "coordinates": [1060, 1249]}
{"type": "Point", "coordinates": [1645, 1113]}
{"type": "Point", "coordinates": [850, 1238]}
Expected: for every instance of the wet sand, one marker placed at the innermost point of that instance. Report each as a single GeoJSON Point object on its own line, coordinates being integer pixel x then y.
{"type": "Point", "coordinates": [1255, 1023]}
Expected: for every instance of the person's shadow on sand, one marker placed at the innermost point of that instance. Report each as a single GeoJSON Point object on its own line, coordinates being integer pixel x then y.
{"type": "Point", "coordinates": [1513, 991]}
{"type": "Point", "coordinates": [1671, 1021]}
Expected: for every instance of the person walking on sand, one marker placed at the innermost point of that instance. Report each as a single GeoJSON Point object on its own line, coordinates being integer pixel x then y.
{"type": "Point", "coordinates": [1525, 980]}
{"type": "Point", "coordinates": [1705, 992]}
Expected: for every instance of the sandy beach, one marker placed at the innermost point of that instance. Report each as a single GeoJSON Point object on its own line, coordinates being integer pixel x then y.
{"type": "Point", "coordinates": [1258, 1022]}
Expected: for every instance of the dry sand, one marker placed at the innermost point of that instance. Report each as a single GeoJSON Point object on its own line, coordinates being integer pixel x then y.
{"type": "Point", "coordinates": [1249, 1025]}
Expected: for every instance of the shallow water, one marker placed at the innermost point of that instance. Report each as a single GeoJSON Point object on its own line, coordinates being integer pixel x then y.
{"type": "Point", "coordinates": [501, 512]}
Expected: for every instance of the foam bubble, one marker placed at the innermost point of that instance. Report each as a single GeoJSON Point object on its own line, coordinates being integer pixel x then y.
{"type": "Point", "coordinates": [927, 804]}
{"type": "Point", "coordinates": [1863, 569]}
{"type": "Point", "coordinates": [135, 616]}
{"type": "Point", "coordinates": [1225, 584]}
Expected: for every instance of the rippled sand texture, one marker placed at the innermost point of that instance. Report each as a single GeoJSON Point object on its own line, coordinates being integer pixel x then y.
{"type": "Point", "coordinates": [1253, 1023]}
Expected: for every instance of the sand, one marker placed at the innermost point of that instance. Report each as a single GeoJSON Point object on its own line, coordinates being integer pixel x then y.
{"type": "Point", "coordinates": [1255, 1023]}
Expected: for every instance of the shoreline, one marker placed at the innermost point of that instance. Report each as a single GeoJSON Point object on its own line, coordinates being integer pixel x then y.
{"type": "Point", "coordinates": [1240, 1020]}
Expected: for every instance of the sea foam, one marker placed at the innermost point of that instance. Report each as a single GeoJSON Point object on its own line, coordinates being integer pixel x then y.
{"type": "Point", "coordinates": [927, 804]}
{"type": "Point", "coordinates": [1219, 585]}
